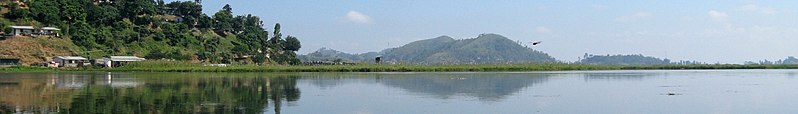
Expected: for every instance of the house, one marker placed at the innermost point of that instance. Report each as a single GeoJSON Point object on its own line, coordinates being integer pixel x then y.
{"type": "Point", "coordinates": [49, 31]}
{"type": "Point", "coordinates": [116, 61]}
{"type": "Point", "coordinates": [8, 61]}
{"type": "Point", "coordinates": [70, 61]}
{"type": "Point", "coordinates": [22, 30]}
{"type": "Point", "coordinates": [31, 31]}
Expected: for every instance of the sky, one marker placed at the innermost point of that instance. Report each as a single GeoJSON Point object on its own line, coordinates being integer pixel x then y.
{"type": "Point", "coordinates": [712, 31]}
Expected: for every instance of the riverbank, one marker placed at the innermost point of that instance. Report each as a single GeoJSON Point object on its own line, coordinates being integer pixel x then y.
{"type": "Point", "coordinates": [191, 67]}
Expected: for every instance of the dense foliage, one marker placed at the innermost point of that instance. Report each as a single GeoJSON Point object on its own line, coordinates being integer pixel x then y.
{"type": "Point", "coordinates": [484, 49]}
{"type": "Point", "coordinates": [788, 60]}
{"type": "Point", "coordinates": [157, 30]}
{"type": "Point", "coordinates": [622, 60]}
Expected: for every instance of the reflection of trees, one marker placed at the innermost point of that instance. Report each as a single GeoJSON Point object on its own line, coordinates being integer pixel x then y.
{"type": "Point", "coordinates": [153, 93]}
{"type": "Point", "coordinates": [190, 94]}
{"type": "Point", "coordinates": [33, 92]}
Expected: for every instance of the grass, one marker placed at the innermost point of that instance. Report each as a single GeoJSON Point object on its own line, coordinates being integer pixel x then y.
{"type": "Point", "coordinates": [178, 66]}
{"type": "Point", "coordinates": [27, 69]}
{"type": "Point", "coordinates": [165, 66]}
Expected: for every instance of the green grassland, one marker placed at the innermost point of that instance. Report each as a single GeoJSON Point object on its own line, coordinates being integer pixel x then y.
{"type": "Point", "coordinates": [179, 66]}
{"type": "Point", "coordinates": [166, 66]}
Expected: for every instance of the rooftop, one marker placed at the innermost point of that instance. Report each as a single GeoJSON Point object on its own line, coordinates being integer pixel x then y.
{"type": "Point", "coordinates": [71, 57]}
{"type": "Point", "coordinates": [50, 28]}
{"type": "Point", "coordinates": [22, 27]}
{"type": "Point", "coordinates": [125, 58]}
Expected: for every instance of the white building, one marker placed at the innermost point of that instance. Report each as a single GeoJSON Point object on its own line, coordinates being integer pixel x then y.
{"type": "Point", "coordinates": [49, 31]}
{"type": "Point", "coordinates": [31, 31]}
{"type": "Point", "coordinates": [115, 61]}
{"type": "Point", "coordinates": [22, 30]}
{"type": "Point", "coordinates": [70, 61]}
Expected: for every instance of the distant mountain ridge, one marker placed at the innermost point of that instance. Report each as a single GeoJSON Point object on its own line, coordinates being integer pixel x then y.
{"type": "Point", "coordinates": [485, 49]}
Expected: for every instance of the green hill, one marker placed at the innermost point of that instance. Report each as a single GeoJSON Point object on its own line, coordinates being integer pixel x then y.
{"type": "Point", "coordinates": [327, 54]}
{"type": "Point", "coordinates": [485, 49]}
{"type": "Point", "coordinates": [154, 29]}
{"type": "Point", "coordinates": [623, 60]}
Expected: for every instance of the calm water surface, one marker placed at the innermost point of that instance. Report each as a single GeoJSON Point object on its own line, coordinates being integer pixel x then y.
{"type": "Point", "coordinates": [659, 91]}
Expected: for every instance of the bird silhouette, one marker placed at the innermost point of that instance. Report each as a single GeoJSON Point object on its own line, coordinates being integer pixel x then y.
{"type": "Point", "coordinates": [536, 43]}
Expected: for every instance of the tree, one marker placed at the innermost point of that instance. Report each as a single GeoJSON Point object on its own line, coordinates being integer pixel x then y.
{"type": "Point", "coordinates": [74, 10]}
{"type": "Point", "coordinates": [227, 8]}
{"type": "Point", "coordinates": [82, 35]}
{"type": "Point", "coordinates": [103, 15]}
{"type": "Point", "coordinates": [274, 45]}
{"type": "Point", "coordinates": [292, 43]}
{"type": "Point", "coordinates": [223, 19]}
{"type": "Point", "coordinates": [133, 8]}
{"type": "Point", "coordinates": [204, 21]}
{"type": "Point", "coordinates": [276, 37]}
{"type": "Point", "coordinates": [16, 12]}
{"type": "Point", "coordinates": [46, 12]}
{"type": "Point", "coordinates": [189, 11]}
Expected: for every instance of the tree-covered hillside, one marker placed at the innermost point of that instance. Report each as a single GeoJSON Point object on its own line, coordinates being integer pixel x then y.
{"type": "Point", "coordinates": [622, 60]}
{"type": "Point", "coordinates": [485, 49]}
{"type": "Point", "coordinates": [788, 60]}
{"type": "Point", "coordinates": [156, 30]}
{"type": "Point", "coordinates": [327, 54]}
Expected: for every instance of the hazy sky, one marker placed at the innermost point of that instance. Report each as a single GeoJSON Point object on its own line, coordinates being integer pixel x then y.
{"type": "Point", "coordinates": [726, 31]}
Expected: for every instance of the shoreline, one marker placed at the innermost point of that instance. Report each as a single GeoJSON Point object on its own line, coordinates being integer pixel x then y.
{"type": "Point", "coordinates": [395, 68]}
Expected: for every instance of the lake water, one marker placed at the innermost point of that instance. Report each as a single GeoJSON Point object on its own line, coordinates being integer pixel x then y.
{"type": "Point", "coordinates": [655, 91]}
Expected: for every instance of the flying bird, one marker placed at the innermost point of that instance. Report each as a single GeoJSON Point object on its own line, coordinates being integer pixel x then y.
{"type": "Point", "coordinates": [536, 42]}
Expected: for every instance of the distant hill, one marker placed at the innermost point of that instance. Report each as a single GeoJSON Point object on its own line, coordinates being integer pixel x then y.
{"type": "Point", "coordinates": [622, 60]}
{"type": "Point", "coordinates": [485, 49]}
{"type": "Point", "coordinates": [788, 60]}
{"type": "Point", "coordinates": [327, 54]}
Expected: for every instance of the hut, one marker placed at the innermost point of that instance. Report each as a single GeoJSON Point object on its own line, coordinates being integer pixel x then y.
{"type": "Point", "coordinates": [116, 61]}
{"type": "Point", "coordinates": [8, 61]}
{"type": "Point", "coordinates": [31, 31]}
{"type": "Point", "coordinates": [22, 30]}
{"type": "Point", "coordinates": [49, 31]}
{"type": "Point", "coordinates": [70, 61]}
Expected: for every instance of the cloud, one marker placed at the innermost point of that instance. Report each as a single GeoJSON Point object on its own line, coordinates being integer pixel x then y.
{"type": "Point", "coordinates": [357, 17]}
{"type": "Point", "coordinates": [717, 15]}
{"type": "Point", "coordinates": [636, 16]}
{"type": "Point", "coordinates": [758, 9]}
{"type": "Point", "coordinates": [542, 30]}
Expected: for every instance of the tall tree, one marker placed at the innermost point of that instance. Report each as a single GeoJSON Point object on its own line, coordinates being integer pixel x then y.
{"type": "Point", "coordinates": [134, 8]}
{"type": "Point", "coordinates": [224, 19]}
{"type": "Point", "coordinates": [277, 36]}
{"type": "Point", "coordinates": [292, 43]}
{"type": "Point", "coordinates": [189, 11]}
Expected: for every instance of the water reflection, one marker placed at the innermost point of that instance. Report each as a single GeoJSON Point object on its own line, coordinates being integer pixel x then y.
{"type": "Point", "coordinates": [484, 86]}
{"type": "Point", "coordinates": [618, 75]}
{"type": "Point", "coordinates": [146, 93]}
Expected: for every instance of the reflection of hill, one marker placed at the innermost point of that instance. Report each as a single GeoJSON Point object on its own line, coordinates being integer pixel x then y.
{"type": "Point", "coordinates": [484, 86]}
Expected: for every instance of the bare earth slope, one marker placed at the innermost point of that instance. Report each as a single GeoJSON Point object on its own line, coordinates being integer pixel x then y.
{"type": "Point", "coordinates": [36, 50]}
